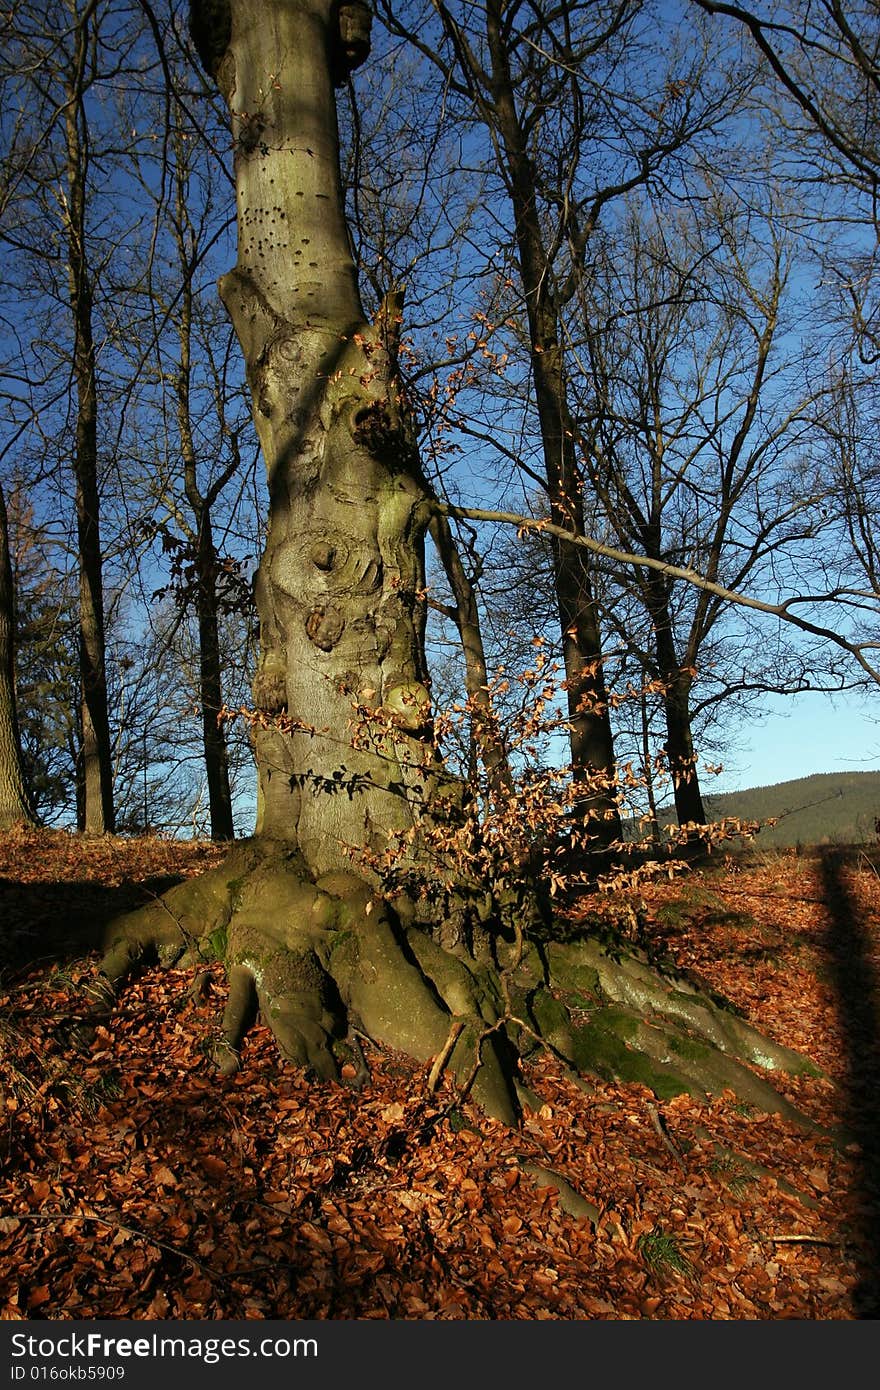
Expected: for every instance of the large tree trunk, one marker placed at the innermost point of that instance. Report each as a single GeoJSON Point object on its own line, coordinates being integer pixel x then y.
{"type": "Point", "coordinates": [340, 586]}
{"type": "Point", "coordinates": [343, 730]}
{"type": "Point", "coordinates": [15, 807]}
{"type": "Point", "coordinates": [307, 923]}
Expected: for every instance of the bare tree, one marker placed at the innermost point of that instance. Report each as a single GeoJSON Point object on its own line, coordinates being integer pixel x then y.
{"type": "Point", "coordinates": [697, 416]}
{"type": "Point", "coordinates": [53, 59]}
{"type": "Point", "coordinates": [96, 756]}
{"type": "Point", "coordinates": [369, 894]}
{"type": "Point", "coordinates": [822, 87]}
{"type": "Point", "coordinates": [201, 501]}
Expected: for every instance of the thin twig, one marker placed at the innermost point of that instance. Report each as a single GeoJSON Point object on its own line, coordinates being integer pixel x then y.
{"type": "Point", "coordinates": [443, 1055]}
{"type": "Point", "coordinates": [798, 1240]}
{"type": "Point", "coordinates": [133, 1231]}
{"type": "Point", "coordinates": [665, 1137]}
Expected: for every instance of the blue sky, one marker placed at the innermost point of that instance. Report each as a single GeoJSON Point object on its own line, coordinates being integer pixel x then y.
{"type": "Point", "coordinates": [801, 735]}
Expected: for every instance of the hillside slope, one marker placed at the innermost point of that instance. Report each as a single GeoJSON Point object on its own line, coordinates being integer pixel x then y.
{"type": "Point", "coordinates": [827, 808]}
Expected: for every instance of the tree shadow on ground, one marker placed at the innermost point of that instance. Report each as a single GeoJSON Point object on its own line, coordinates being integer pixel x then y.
{"type": "Point", "coordinates": [54, 923]}
{"type": "Point", "coordinates": [856, 985]}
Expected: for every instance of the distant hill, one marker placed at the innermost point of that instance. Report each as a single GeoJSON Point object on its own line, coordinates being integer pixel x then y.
{"type": "Point", "coordinates": [827, 808]}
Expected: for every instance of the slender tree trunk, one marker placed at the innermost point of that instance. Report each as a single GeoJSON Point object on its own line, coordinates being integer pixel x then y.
{"type": "Point", "coordinates": [14, 803]}
{"type": "Point", "coordinates": [648, 764]}
{"type": "Point", "coordinates": [592, 745]}
{"type": "Point", "coordinates": [680, 747]}
{"type": "Point", "coordinates": [487, 742]}
{"type": "Point", "coordinates": [677, 681]}
{"type": "Point", "coordinates": [210, 682]}
{"type": "Point", "coordinates": [210, 659]}
{"type": "Point", "coordinates": [95, 762]}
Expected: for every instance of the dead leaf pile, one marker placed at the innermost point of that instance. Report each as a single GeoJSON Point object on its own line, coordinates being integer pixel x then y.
{"type": "Point", "coordinates": [135, 1184]}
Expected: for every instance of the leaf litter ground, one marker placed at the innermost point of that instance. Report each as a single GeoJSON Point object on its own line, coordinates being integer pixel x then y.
{"type": "Point", "coordinates": [136, 1184]}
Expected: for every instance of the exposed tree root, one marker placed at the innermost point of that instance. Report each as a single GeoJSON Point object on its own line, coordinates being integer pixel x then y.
{"type": "Point", "coordinates": [569, 1199]}
{"type": "Point", "coordinates": [744, 1167]}
{"type": "Point", "coordinates": [320, 958]}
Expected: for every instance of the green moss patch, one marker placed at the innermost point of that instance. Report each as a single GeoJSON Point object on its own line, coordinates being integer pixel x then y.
{"type": "Point", "coordinates": [599, 1047]}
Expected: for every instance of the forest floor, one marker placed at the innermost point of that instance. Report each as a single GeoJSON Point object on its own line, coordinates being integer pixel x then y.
{"type": "Point", "coordinates": [136, 1184]}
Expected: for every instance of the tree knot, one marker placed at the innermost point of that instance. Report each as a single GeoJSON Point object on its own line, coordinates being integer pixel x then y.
{"type": "Point", "coordinates": [324, 627]}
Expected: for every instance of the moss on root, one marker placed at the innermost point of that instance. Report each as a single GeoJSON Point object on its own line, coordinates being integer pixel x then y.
{"type": "Point", "coordinates": [319, 959]}
{"type": "Point", "coordinates": [601, 1051]}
